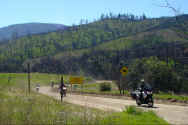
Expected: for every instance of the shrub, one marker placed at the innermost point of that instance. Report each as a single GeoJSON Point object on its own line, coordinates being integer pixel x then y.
{"type": "Point", "coordinates": [105, 87]}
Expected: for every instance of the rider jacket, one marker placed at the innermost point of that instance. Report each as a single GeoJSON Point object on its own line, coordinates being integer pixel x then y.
{"type": "Point", "coordinates": [62, 86]}
{"type": "Point", "coordinates": [142, 91]}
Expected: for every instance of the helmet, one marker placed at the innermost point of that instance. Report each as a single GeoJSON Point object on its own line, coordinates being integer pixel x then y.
{"type": "Point", "coordinates": [142, 80]}
{"type": "Point", "coordinates": [142, 83]}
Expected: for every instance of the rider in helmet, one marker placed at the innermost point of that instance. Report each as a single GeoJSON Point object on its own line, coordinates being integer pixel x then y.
{"type": "Point", "coordinates": [62, 87]}
{"type": "Point", "coordinates": [142, 88]}
{"type": "Point", "coordinates": [142, 84]}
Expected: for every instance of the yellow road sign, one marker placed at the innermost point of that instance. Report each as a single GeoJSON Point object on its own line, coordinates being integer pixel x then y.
{"type": "Point", "coordinates": [76, 80]}
{"type": "Point", "coordinates": [124, 70]}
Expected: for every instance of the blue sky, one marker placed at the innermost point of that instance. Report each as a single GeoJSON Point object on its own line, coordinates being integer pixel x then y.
{"type": "Point", "coordinates": [70, 12]}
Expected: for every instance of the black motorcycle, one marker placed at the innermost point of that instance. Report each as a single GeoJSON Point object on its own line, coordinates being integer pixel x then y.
{"type": "Point", "coordinates": [143, 97]}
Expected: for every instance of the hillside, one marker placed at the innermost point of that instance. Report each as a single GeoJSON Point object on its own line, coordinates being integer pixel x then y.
{"type": "Point", "coordinates": [19, 30]}
{"type": "Point", "coordinates": [154, 49]}
{"type": "Point", "coordinates": [107, 34]}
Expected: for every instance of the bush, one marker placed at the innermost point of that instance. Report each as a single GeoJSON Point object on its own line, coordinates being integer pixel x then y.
{"type": "Point", "coordinates": [105, 87]}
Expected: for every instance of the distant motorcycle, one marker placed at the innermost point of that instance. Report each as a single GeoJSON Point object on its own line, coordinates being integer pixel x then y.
{"type": "Point", "coordinates": [144, 97]}
{"type": "Point", "coordinates": [64, 91]}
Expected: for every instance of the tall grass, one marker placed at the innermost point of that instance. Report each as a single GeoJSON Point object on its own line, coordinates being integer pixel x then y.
{"type": "Point", "coordinates": [17, 107]}
{"type": "Point", "coordinates": [39, 109]}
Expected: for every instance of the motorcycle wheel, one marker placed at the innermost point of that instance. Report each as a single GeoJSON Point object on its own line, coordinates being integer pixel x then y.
{"type": "Point", "coordinates": [138, 102]}
{"type": "Point", "coordinates": [65, 93]}
{"type": "Point", "coordinates": [150, 103]}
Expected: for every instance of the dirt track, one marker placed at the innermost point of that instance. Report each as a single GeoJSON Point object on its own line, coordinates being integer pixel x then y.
{"type": "Point", "coordinates": [172, 113]}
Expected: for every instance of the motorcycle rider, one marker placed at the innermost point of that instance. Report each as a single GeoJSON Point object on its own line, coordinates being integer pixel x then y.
{"type": "Point", "coordinates": [145, 94]}
{"type": "Point", "coordinates": [142, 89]}
{"type": "Point", "coordinates": [62, 87]}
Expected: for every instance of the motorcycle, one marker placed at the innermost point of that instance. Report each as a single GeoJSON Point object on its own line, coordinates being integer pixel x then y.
{"type": "Point", "coordinates": [145, 97]}
{"type": "Point", "coordinates": [64, 91]}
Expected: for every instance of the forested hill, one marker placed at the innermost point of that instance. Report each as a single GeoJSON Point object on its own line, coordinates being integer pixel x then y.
{"type": "Point", "coordinates": [18, 30]}
{"type": "Point", "coordinates": [110, 32]}
{"type": "Point", "coordinates": [154, 49]}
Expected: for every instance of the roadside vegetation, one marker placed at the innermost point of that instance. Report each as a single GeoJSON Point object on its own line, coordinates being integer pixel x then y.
{"type": "Point", "coordinates": [18, 107]}
{"type": "Point", "coordinates": [94, 88]}
{"type": "Point", "coordinates": [133, 116]}
{"type": "Point", "coordinates": [172, 97]}
{"type": "Point", "coordinates": [12, 79]}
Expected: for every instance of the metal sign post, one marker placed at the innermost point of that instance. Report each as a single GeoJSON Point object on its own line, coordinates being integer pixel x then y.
{"type": "Point", "coordinates": [124, 71]}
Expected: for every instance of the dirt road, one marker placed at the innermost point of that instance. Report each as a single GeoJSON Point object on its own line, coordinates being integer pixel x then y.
{"type": "Point", "coordinates": [172, 113]}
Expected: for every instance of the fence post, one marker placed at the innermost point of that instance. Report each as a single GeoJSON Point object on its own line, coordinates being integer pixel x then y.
{"type": "Point", "coordinates": [28, 70]}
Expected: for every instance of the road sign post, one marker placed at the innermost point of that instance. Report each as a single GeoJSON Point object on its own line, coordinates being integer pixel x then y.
{"type": "Point", "coordinates": [124, 71]}
{"type": "Point", "coordinates": [28, 70]}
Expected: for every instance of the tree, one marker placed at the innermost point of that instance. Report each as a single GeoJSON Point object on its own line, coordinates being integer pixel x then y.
{"type": "Point", "coordinates": [102, 17]}
{"type": "Point", "coordinates": [144, 17]}
{"type": "Point", "coordinates": [169, 6]}
{"type": "Point", "coordinates": [157, 73]}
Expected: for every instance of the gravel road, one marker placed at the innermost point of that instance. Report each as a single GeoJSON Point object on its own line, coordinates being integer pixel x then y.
{"type": "Point", "coordinates": [174, 114]}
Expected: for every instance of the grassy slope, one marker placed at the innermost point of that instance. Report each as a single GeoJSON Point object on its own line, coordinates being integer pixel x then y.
{"type": "Point", "coordinates": [38, 109]}
{"type": "Point", "coordinates": [123, 43]}
{"type": "Point", "coordinates": [165, 35]}
{"type": "Point", "coordinates": [19, 108]}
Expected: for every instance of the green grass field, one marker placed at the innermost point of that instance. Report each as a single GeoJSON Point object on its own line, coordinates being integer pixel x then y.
{"type": "Point", "coordinates": [19, 108]}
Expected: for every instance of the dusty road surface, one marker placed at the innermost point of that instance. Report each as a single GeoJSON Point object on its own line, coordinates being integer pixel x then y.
{"type": "Point", "coordinates": [172, 113]}
{"type": "Point", "coordinates": [102, 81]}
